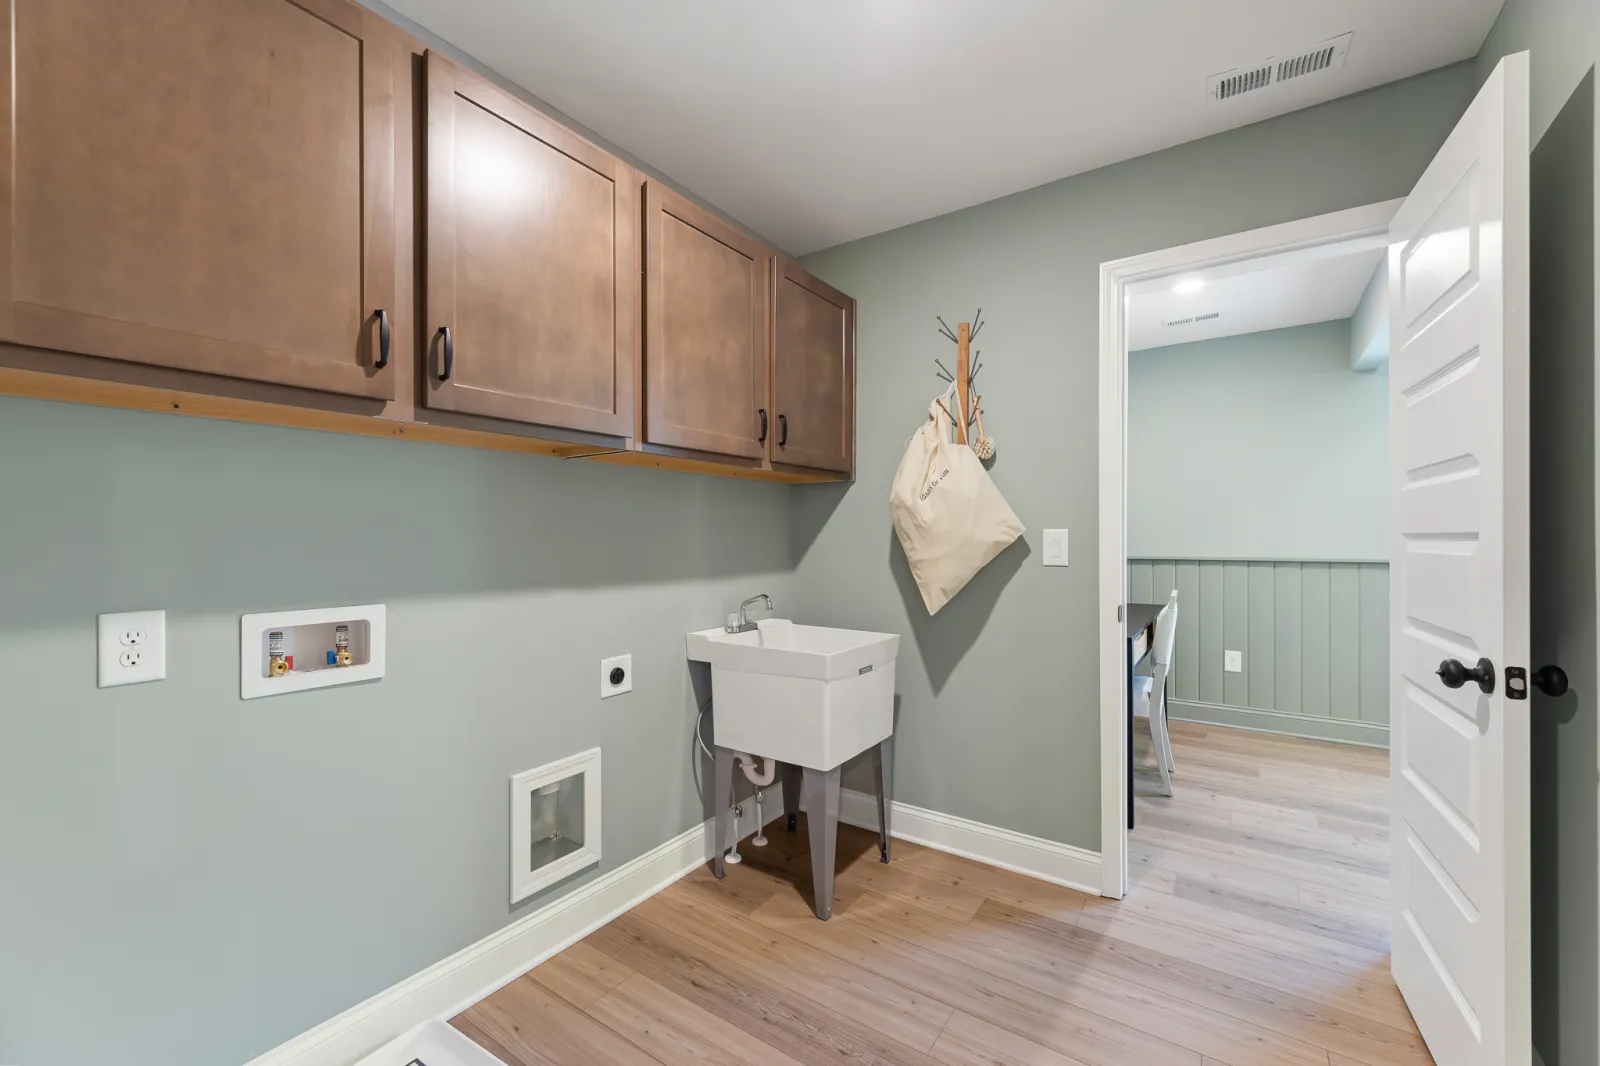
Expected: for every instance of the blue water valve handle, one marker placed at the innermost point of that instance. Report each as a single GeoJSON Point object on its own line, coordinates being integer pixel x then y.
{"type": "Point", "coordinates": [330, 658]}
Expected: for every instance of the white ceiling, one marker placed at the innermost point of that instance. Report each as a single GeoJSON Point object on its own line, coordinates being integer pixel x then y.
{"type": "Point", "coordinates": [1293, 293]}
{"type": "Point", "coordinates": [819, 121]}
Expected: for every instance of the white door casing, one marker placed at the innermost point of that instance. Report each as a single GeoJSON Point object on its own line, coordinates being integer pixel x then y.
{"type": "Point", "coordinates": [1458, 466]}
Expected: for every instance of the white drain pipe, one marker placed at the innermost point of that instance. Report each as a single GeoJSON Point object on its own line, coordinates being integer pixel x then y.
{"type": "Point", "coordinates": [761, 780]}
{"type": "Point", "coordinates": [748, 763]}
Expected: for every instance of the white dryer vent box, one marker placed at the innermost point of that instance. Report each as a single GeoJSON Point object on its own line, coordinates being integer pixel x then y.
{"type": "Point", "coordinates": [291, 651]}
{"type": "Point", "coordinates": [555, 822]}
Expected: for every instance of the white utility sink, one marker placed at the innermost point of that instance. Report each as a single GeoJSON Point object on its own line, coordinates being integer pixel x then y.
{"type": "Point", "coordinates": [805, 695]}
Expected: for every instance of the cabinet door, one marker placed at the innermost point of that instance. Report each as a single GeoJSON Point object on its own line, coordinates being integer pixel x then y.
{"type": "Point", "coordinates": [706, 291]}
{"type": "Point", "coordinates": [533, 261]}
{"type": "Point", "coordinates": [206, 186]}
{"type": "Point", "coordinates": [813, 372]}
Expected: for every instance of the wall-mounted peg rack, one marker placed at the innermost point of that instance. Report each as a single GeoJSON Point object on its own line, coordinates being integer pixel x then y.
{"type": "Point", "coordinates": [968, 402]}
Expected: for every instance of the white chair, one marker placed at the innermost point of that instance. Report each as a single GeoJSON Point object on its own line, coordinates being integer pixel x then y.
{"type": "Point", "coordinates": [1150, 690]}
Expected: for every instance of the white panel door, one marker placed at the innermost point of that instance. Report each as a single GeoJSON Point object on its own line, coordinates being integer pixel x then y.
{"type": "Point", "coordinates": [1458, 464]}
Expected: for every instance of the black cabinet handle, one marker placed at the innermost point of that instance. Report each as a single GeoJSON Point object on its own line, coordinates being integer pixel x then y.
{"type": "Point", "coordinates": [448, 347]}
{"type": "Point", "coordinates": [763, 438]}
{"type": "Point", "coordinates": [783, 430]}
{"type": "Point", "coordinates": [1454, 674]}
{"type": "Point", "coordinates": [383, 340]}
{"type": "Point", "coordinates": [1551, 680]}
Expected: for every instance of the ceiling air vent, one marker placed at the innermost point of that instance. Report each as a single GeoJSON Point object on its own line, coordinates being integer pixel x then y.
{"type": "Point", "coordinates": [1275, 70]}
{"type": "Point", "coordinates": [1308, 63]}
{"type": "Point", "coordinates": [1192, 319]}
{"type": "Point", "coordinates": [1244, 81]}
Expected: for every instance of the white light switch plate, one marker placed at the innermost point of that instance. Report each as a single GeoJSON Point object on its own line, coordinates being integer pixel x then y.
{"type": "Point", "coordinates": [1055, 547]}
{"type": "Point", "coordinates": [623, 662]}
{"type": "Point", "coordinates": [132, 647]}
{"type": "Point", "coordinates": [1233, 661]}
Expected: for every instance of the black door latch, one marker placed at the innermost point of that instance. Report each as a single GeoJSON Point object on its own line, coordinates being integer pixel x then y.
{"type": "Point", "coordinates": [1551, 680]}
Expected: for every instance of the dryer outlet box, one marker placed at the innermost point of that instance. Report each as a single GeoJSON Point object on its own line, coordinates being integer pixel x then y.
{"type": "Point", "coordinates": [616, 676]}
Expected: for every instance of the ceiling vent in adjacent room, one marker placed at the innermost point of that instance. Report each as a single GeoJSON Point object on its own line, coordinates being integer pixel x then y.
{"type": "Point", "coordinates": [1192, 319]}
{"type": "Point", "coordinates": [1328, 56]}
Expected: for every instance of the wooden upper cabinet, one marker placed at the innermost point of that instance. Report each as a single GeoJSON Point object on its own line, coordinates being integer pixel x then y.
{"type": "Point", "coordinates": [207, 186]}
{"type": "Point", "coordinates": [532, 264]}
{"type": "Point", "coordinates": [813, 372]}
{"type": "Point", "coordinates": [707, 292]}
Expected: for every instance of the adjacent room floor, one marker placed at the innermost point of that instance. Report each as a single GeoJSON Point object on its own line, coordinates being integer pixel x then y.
{"type": "Point", "coordinates": [1255, 935]}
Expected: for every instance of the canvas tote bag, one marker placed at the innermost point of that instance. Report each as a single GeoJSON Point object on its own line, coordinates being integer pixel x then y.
{"type": "Point", "coordinates": [950, 517]}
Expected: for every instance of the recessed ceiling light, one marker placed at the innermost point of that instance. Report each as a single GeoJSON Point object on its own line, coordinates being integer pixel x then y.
{"type": "Point", "coordinates": [1189, 286]}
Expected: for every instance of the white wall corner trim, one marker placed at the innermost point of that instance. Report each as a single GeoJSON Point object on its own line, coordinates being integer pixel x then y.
{"type": "Point", "coordinates": [1060, 864]}
{"type": "Point", "coordinates": [451, 985]}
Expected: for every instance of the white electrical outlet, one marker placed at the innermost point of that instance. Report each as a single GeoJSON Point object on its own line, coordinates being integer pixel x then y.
{"type": "Point", "coordinates": [613, 682]}
{"type": "Point", "coordinates": [1055, 547]}
{"type": "Point", "coordinates": [133, 647]}
{"type": "Point", "coordinates": [1233, 661]}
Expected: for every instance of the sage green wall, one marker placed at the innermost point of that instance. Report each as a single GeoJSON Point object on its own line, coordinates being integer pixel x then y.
{"type": "Point", "coordinates": [1564, 39]}
{"type": "Point", "coordinates": [1262, 446]}
{"type": "Point", "coordinates": [187, 878]}
{"type": "Point", "coordinates": [1258, 487]}
{"type": "Point", "coordinates": [1313, 638]}
{"type": "Point", "coordinates": [998, 709]}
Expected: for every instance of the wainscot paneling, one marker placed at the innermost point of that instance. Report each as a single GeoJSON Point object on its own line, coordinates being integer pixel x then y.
{"type": "Point", "coordinates": [1313, 635]}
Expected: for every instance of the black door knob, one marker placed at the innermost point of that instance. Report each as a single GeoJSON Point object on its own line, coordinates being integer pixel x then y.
{"type": "Point", "coordinates": [1551, 680]}
{"type": "Point", "coordinates": [1454, 674]}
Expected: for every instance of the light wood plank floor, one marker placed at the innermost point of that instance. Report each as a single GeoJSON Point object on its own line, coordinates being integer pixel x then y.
{"type": "Point", "coordinates": [1255, 935]}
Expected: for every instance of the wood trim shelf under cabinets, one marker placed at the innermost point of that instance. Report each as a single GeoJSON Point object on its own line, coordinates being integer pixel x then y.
{"type": "Point", "coordinates": [66, 388]}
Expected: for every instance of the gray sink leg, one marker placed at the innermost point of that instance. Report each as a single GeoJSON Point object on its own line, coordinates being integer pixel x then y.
{"type": "Point", "coordinates": [722, 799]}
{"type": "Point", "coordinates": [822, 823]}
{"type": "Point", "coordinates": [791, 795]}
{"type": "Point", "coordinates": [883, 779]}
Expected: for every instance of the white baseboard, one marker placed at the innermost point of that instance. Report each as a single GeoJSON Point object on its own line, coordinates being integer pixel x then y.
{"type": "Point", "coordinates": [1061, 864]}
{"type": "Point", "coordinates": [451, 985]}
{"type": "Point", "coordinates": [1281, 723]}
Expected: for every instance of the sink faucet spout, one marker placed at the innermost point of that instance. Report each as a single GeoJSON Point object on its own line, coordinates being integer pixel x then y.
{"type": "Point", "coordinates": [745, 623]}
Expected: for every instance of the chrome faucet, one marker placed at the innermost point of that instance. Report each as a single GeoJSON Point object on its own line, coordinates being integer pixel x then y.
{"type": "Point", "coordinates": [745, 624]}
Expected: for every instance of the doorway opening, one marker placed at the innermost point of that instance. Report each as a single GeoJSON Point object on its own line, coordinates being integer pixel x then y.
{"type": "Point", "coordinates": [1258, 594]}
{"type": "Point", "coordinates": [1198, 538]}
{"type": "Point", "coordinates": [1246, 681]}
